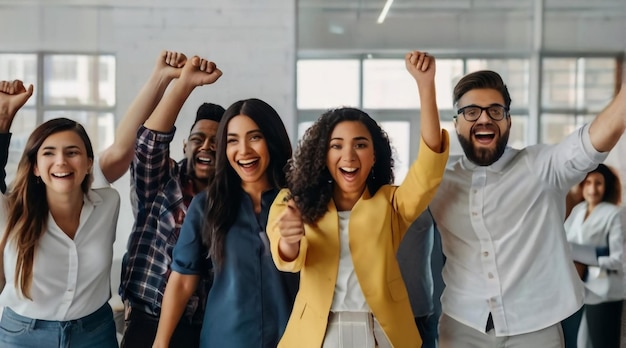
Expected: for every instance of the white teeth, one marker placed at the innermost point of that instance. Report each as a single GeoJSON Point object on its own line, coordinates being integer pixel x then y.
{"type": "Point", "coordinates": [61, 175]}
{"type": "Point", "coordinates": [206, 159]}
{"type": "Point", "coordinates": [246, 162]}
{"type": "Point", "coordinates": [349, 170]}
{"type": "Point", "coordinates": [484, 133]}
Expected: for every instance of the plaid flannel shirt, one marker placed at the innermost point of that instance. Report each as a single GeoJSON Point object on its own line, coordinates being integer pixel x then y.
{"type": "Point", "coordinates": [161, 191]}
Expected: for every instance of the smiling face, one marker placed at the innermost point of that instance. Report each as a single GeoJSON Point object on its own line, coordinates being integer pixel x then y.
{"type": "Point", "coordinates": [62, 163]}
{"type": "Point", "coordinates": [349, 160]}
{"type": "Point", "coordinates": [483, 140]}
{"type": "Point", "coordinates": [593, 188]}
{"type": "Point", "coordinates": [199, 150]}
{"type": "Point", "coordinates": [247, 153]}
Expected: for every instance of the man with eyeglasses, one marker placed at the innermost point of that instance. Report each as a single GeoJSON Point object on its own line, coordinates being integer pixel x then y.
{"type": "Point", "coordinates": [508, 273]}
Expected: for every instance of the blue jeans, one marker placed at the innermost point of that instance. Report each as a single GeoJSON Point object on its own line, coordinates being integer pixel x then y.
{"type": "Point", "coordinates": [97, 330]}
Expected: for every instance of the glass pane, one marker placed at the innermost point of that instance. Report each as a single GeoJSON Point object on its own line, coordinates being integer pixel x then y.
{"type": "Point", "coordinates": [518, 136]}
{"type": "Point", "coordinates": [99, 126]}
{"type": "Point", "coordinates": [599, 82]}
{"type": "Point", "coordinates": [324, 84]}
{"type": "Point", "coordinates": [514, 72]}
{"type": "Point", "coordinates": [20, 67]}
{"type": "Point", "coordinates": [388, 85]}
{"type": "Point", "coordinates": [23, 124]}
{"type": "Point", "coordinates": [578, 83]}
{"type": "Point", "coordinates": [555, 127]}
{"type": "Point", "coordinates": [399, 135]}
{"type": "Point", "coordinates": [455, 146]}
{"type": "Point", "coordinates": [449, 72]}
{"type": "Point", "coordinates": [79, 80]}
{"type": "Point", "coordinates": [559, 83]}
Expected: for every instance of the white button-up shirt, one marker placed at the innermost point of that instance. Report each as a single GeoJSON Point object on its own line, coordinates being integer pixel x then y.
{"type": "Point", "coordinates": [502, 232]}
{"type": "Point", "coordinates": [602, 228]}
{"type": "Point", "coordinates": [71, 277]}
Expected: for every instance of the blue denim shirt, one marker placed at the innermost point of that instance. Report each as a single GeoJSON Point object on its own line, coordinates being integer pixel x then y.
{"type": "Point", "coordinates": [250, 300]}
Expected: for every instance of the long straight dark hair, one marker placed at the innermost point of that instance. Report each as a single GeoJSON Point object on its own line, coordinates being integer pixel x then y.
{"type": "Point", "coordinates": [225, 189]}
{"type": "Point", "coordinates": [27, 202]}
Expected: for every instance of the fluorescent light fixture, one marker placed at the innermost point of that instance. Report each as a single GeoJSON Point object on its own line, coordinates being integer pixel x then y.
{"type": "Point", "coordinates": [383, 13]}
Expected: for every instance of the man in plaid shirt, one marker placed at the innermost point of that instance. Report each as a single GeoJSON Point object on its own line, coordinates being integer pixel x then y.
{"type": "Point", "coordinates": [161, 190]}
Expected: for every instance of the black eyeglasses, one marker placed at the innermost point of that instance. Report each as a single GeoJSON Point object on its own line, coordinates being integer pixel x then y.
{"type": "Point", "coordinates": [471, 113]}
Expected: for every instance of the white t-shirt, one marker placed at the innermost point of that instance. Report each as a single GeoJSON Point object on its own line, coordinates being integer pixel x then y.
{"type": "Point", "coordinates": [348, 293]}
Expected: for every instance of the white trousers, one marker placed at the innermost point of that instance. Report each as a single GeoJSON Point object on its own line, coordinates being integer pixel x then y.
{"type": "Point", "coordinates": [354, 330]}
{"type": "Point", "coordinates": [453, 334]}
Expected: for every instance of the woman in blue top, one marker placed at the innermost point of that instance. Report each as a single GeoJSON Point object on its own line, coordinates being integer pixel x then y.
{"type": "Point", "coordinates": [250, 300]}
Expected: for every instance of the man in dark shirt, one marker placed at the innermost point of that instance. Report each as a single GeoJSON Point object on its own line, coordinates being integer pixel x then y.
{"type": "Point", "coordinates": [421, 260]}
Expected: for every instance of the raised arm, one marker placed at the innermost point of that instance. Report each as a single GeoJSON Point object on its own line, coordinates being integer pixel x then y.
{"type": "Point", "coordinates": [609, 125]}
{"type": "Point", "coordinates": [13, 95]}
{"type": "Point", "coordinates": [421, 66]}
{"type": "Point", "coordinates": [116, 159]}
{"type": "Point", "coordinates": [196, 72]}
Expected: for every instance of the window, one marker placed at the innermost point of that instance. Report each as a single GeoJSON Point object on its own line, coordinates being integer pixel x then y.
{"type": "Point", "coordinates": [574, 90]}
{"type": "Point", "coordinates": [79, 87]}
{"type": "Point", "coordinates": [76, 81]}
{"type": "Point", "coordinates": [324, 84]}
{"type": "Point", "coordinates": [399, 136]}
{"type": "Point", "coordinates": [386, 85]}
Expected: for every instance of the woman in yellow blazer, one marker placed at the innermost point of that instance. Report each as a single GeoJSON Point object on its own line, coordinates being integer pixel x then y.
{"type": "Point", "coordinates": [341, 221]}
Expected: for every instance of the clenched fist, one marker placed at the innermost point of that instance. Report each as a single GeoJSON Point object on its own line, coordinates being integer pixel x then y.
{"type": "Point", "coordinates": [291, 228]}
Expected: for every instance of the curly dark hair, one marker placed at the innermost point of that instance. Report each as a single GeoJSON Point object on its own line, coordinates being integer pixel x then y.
{"type": "Point", "coordinates": [224, 190]}
{"type": "Point", "coordinates": [308, 178]}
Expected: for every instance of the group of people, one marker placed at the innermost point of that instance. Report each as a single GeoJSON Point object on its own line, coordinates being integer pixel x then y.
{"type": "Point", "coordinates": [246, 244]}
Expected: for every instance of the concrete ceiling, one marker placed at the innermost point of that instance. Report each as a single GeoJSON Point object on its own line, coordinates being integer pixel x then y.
{"type": "Point", "coordinates": [402, 8]}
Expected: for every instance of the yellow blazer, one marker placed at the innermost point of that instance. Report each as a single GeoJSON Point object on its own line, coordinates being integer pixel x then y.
{"type": "Point", "coordinates": [376, 227]}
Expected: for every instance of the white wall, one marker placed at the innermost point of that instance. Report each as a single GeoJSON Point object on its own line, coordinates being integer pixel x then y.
{"type": "Point", "coordinates": [253, 43]}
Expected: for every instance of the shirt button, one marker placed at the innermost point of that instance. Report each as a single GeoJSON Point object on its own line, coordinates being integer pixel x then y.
{"type": "Point", "coordinates": [485, 253]}
{"type": "Point", "coordinates": [474, 191]}
{"type": "Point", "coordinates": [490, 275]}
{"type": "Point", "coordinates": [474, 213]}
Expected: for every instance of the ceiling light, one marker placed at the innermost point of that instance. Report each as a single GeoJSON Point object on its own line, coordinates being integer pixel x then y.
{"type": "Point", "coordinates": [383, 13]}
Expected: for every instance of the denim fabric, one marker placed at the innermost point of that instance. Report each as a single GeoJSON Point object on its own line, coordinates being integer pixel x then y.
{"type": "Point", "coordinates": [96, 330]}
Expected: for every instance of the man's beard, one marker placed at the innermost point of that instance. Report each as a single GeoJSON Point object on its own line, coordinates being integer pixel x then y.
{"type": "Point", "coordinates": [484, 156]}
